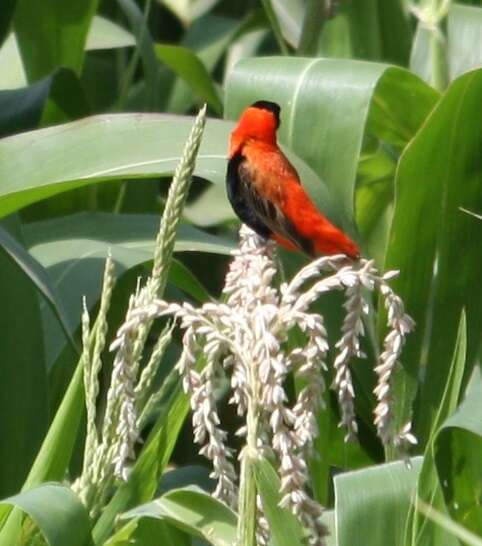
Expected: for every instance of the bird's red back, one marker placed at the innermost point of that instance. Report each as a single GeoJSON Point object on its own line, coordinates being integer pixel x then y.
{"type": "Point", "coordinates": [274, 180]}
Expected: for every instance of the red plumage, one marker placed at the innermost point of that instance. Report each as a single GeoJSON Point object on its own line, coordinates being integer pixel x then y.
{"type": "Point", "coordinates": [266, 193]}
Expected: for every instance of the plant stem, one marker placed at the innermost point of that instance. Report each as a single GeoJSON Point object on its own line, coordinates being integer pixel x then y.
{"type": "Point", "coordinates": [246, 533]}
{"type": "Point", "coordinates": [438, 59]}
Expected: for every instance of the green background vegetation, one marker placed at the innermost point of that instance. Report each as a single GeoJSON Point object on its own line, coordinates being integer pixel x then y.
{"type": "Point", "coordinates": [382, 112]}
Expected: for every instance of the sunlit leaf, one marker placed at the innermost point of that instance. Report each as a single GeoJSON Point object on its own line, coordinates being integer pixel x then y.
{"type": "Point", "coordinates": [188, 66]}
{"type": "Point", "coordinates": [195, 512]}
{"type": "Point", "coordinates": [52, 34]}
{"type": "Point", "coordinates": [75, 263]}
{"type": "Point", "coordinates": [372, 504]}
{"type": "Point", "coordinates": [58, 513]}
{"type": "Point", "coordinates": [289, 16]}
{"type": "Point", "coordinates": [99, 149]}
{"type": "Point", "coordinates": [12, 73]}
{"type": "Point", "coordinates": [465, 39]}
{"type": "Point", "coordinates": [104, 34]}
{"type": "Point", "coordinates": [189, 10]}
{"type": "Point", "coordinates": [286, 530]}
{"type": "Point", "coordinates": [438, 173]}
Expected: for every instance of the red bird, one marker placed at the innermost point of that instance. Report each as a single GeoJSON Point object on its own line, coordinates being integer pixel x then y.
{"type": "Point", "coordinates": [265, 191]}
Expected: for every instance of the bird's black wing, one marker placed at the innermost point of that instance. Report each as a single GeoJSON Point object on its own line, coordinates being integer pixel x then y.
{"type": "Point", "coordinates": [257, 212]}
{"type": "Point", "coordinates": [237, 197]}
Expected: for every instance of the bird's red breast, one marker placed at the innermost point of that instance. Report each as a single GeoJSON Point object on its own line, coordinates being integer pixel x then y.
{"type": "Point", "coordinates": [266, 193]}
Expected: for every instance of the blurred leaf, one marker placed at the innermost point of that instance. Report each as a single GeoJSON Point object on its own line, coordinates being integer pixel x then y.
{"type": "Point", "coordinates": [58, 513]}
{"type": "Point", "coordinates": [100, 80]}
{"type": "Point", "coordinates": [52, 34]}
{"type": "Point", "coordinates": [341, 454]}
{"type": "Point", "coordinates": [372, 504]}
{"type": "Point", "coordinates": [54, 99]}
{"type": "Point", "coordinates": [280, 29]}
{"type": "Point", "coordinates": [145, 49]}
{"type": "Point", "coordinates": [53, 458]}
{"type": "Point", "coordinates": [395, 31]}
{"type": "Point", "coordinates": [185, 476]}
{"type": "Point", "coordinates": [66, 100]}
{"type": "Point", "coordinates": [23, 385]}
{"type": "Point", "coordinates": [193, 511]}
{"type": "Point", "coordinates": [180, 276]}
{"type": "Point", "coordinates": [188, 66]}
{"type": "Point", "coordinates": [286, 531]}
{"type": "Point", "coordinates": [335, 39]}
{"type": "Point", "coordinates": [429, 57]}
{"type": "Point", "coordinates": [364, 28]}
{"type": "Point", "coordinates": [325, 104]}
{"type": "Point", "coordinates": [314, 18]}
{"type": "Point", "coordinates": [439, 172]}
{"type": "Point", "coordinates": [247, 45]}
{"type": "Point", "coordinates": [210, 208]}
{"type": "Point", "coordinates": [458, 451]}
{"type": "Point", "coordinates": [148, 532]}
{"type": "Point", "coordinates": [6, 15]}
{"type": "Point", "coordinates": [374, 196]}
{"type": "Point", "coordinates": [429, 487]}
{"type": "Point", "coordinates": [453, 387]}
{"type": "Point", "coordinates": [73, 250]}
{"type": "Point", "coordinates": [189, 10]}
{"type": "Point", "coordinates": [390, 119]}
{"type": "Point", "coordinates": [367, 29]}
{"type": "Point", "coordinates": [123, 536]}
{"type": "Point", "coordinates": [96, 232]}
{"type": "Point", "coordinates": [289, 15]}
{"type": "Point", "coordinates": [449, 526]}
{"type": "Point", "coordinates": [21, 109]}
{"type": "Point", "coordinates": [464, 38]}
{"type": "Point", "coordinates": [35, 273]}
{"type": "Point", "coordinates": [99, 149]}
{"type": "Point", "coordinates": [104, 34]}
{"type": "Point", "coordinates": [12, 73]}
{"type": "Point", "coordinates": [209, 47]}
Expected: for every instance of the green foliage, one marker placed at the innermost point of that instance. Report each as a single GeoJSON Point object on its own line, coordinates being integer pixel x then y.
{"type": "Point", "coordinates": [55, 509]}
{"type": "Point", "coordinates": [381, 116]}
{"type": "Point", "coordinates": [437, 174]}
{"type": "Point", "coordinates": [194, 512]}
{"type": "Point", "coordinates": [24, 424]}
{"type": "Point", "coordinates": [286, 529]}
{"type": "Point", "coordinates": [380, 494]}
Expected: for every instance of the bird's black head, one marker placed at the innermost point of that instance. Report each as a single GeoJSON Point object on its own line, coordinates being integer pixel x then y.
{"type": "Point", "coordinates": [271, 107]}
